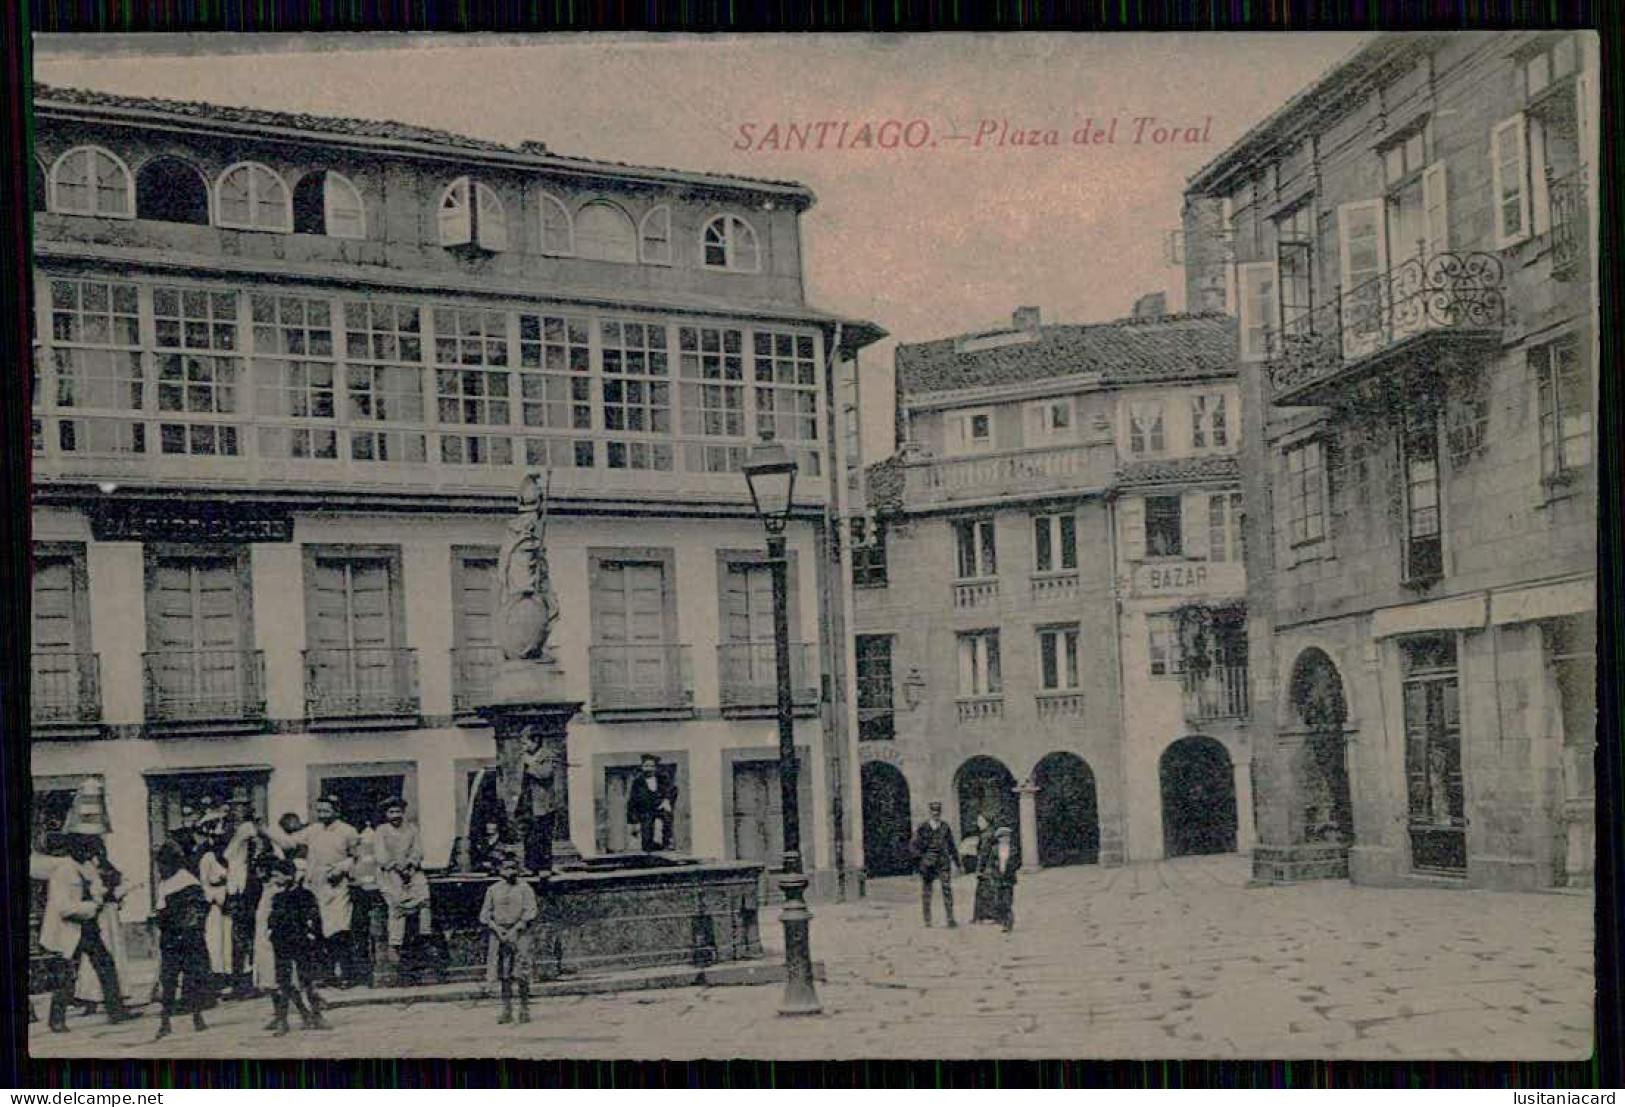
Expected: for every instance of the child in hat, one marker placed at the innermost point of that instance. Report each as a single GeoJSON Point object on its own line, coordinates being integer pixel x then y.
{"type": "Point", "coordinates": [183, 957]}
{"type": "Point", "coordinates": [295, 925]}
{"type": "Point", "coordinates": [508, 912]}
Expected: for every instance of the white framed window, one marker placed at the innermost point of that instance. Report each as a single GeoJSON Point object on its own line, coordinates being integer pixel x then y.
{"type": "Point", "coordinates": [1058, 658]}
{"type": "Point", "coordinates": [1162, 641]}
{"type": "Point", "coordinates": [1295, 265]}
{"type": "Point", "coordinates": [471, 213]}
{"type": "Point", "coordinates": [1145, 428]}
{"type": "Point", "coordinates": [1055, 542]}
{"type": "Point", "coordinates": [1224, 519]}
{"type": "Point", "coordinates": [253, 197]}
{"type": "Point", "coordinates": [968, 432]}
{"type": "Point", "coordinates": [1164, 532]}
{"type": "Point", "coordinates": [980, 673]}
{"type": "Point", "coordinates": [729, 242]}
{"type": "Point", "coordinates": [1257, 306]}
{"type": "Point", "coordinates": [1362, 260]}
{"type": "Point", "coordinates": [558, 229]}
{"type": "Point", "coordinates": [1050, 420]}
{"type": "Point", "coordinates": [1306, 493]}
{"type": "Point", "coordinates": [89, 180]}
{"type": "Point", "coordinates": [654, 236]}
{"type": "Point", "coordinates": [1563, 390]}
{"type": "Point", "coordinates": [1210, 427]}
{"type": "Point", "coordinates": [603, 232]}
{"type": "Point", "coordinates": [1509, 175]}
{"type": "Point", "coordinates": [976, 554]}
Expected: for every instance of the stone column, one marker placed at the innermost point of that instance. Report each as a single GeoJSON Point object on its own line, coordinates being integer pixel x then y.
{"type": "Point", "coordinates": [1027, 797]}
{"type": "Point", "coordinates": [1245, 836]}
{"type": "Point", "coordinates": [527, 709]}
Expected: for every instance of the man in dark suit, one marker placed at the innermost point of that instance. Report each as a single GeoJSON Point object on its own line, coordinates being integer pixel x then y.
{"type": "Point", "coordinates": [936, 854]}
{"type": "Point", "coordinates": [1003, 862]}
{"type": "Point", "coordinates": [650, 804]}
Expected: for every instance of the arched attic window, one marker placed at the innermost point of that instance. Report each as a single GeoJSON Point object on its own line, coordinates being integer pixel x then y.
{"type": "Point", "coordinates": [654, 236]}
{"type": "Point", "coordinates": [325, 202]}
{"type": "Point", "coordinates": [89, 180]}
{"type": "Point", "coordinates": [168, 190]}
{"type": "Point", "coordinates": [730, 243]}
{"type": "Point", "coordinates": [558, 230]}
{"type": "Point", "coordinates": [253, 197]}
{"type": "Point", "coordinates": [482, 224]}
{"type": "Point", "coordinates": [604, 232]}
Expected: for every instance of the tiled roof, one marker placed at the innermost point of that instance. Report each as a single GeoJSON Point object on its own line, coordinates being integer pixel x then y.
{"type": "Point", "coordinates": [1169, 347]}
{"type": "Point", "coordinates": [388, 130]}
{"type": "Point", "coordinates": [1178, 470]}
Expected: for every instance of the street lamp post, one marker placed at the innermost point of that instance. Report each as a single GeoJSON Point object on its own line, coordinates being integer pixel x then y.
{"type": "Point", "coordinates": [770, 472]}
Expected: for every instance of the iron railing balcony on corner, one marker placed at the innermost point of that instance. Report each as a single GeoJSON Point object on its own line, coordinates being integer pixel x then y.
{"type": "Point", "coordinates": [1317, 353]}
{"type": "Point", "coordinates": [1220, 692]}
{"type": "Point", "coordinates": [65, 689]}
{"type": "Point", "coordinates": [204, 686]}
{"type": "Point", "coordinates": [634, 678]}
{"type": "Point", "coordinates": [473, 675]}
{"type": "Point", "coordinates": [361, 682]}
{"type": "Point", "coordinates": [748, 676]}
{"type": "Point", "coordinates": [1570, 227]}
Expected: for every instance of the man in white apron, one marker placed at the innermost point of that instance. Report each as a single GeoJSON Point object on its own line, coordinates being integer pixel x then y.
{"type": "Point", "coordinates": [332, 848]}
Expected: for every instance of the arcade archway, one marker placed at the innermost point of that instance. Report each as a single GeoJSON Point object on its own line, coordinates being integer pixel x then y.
{"type": "Point", "coordinates": [1068, 814]}
{"type": "Point", "coordinates": [985, 786]}
{"type": "Point", "coordinates": [1198, 798]}
{"type": "Point", "coordinates": [887, 822]}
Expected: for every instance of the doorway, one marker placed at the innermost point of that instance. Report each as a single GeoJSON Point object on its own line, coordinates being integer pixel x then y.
{"type": "Point", "coordinates": [758, 813]}
{"type": "Point", "coordinates": [1068, 817]}
{"type": "Point", "coordinates": [1198, 798]}
{"type": "Point", "coordinates": [986, 787]}
{"type": "Point", "coordinates": [887, 820]}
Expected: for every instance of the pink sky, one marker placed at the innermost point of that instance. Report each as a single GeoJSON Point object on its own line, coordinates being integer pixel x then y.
{"type": "Point", "coordinates": [926, 242]}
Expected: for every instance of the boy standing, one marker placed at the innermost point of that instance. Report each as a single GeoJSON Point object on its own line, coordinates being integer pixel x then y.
{"type": "Point", "coordinates": [508, 911]}
{"type": "Point", "coordinates": [295, 925]}
{"type": "Point", "coordinates": [183, 956]}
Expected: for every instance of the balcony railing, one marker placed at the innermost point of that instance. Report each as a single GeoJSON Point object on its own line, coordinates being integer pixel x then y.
{"type": "Point", "coordinates": [985, 476]}
{"type": "Point", "coordinates": [1054, 704]}
{"type": "Point", "coordinates": [65, 688]}
{"type": "Point", "coordinates": [641, 677]}
{"type": "Point", "coordinates": [1570, 227]}
{"type": "Point", "coordinates": [980, 709]}
{"type": "Point", "coordinates": [195, 686]}
{"type": "Point", "coordinates": [1218, 693]}
{"type": "Point", "coordinates": [747, 675]}
{"type": "Point", "coordinates": [1457, 293]}
{"type": "Point", "coordinates": [976, 593]}
{"type": "Point", "coordinates": [1055, 587]}
{"type": "Point", "coordinates": [473, 672]}
{"type": "Point", "coordinates": [360, 682]}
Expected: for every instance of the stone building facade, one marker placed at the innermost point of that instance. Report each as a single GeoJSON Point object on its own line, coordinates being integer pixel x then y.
{"type": "Point", "coordinates": [1033, 549]}
{"type": "Point", "coordinates": [289, 373]}
{"type": "Point", "coordinates": [1406, 246]}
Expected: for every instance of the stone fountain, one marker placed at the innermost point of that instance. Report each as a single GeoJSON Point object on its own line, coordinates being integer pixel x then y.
{"type": "Point", "coordinates": [605, 914]}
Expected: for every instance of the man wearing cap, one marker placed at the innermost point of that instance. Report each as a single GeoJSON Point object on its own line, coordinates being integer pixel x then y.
{"type": "Point", "coordinates": [332, 849]}
{"type": "Point", "coordinates": [651, 804]}
{"type": "Point", "coordinates": [74, 896]}
{"type": "Point", "coordinates": [935, 852]}
{"type": "Point", "coordinates": [1004, 861]}
{"type": "Point", "coordinates": [398, 848]}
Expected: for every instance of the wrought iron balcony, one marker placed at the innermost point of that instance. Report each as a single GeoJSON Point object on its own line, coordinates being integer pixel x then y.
{"type": "Point", "coordinates": [1570, 227]}
{"type": "Point", "coordinates": [361, 682]}
{"type": "Point", "coordinates": [747, 676]}
{"type": "Point", "coordinates": [1458, 296]}
{"type": "Point", "coordinates": [641, 677]}
{"type": "Point", "coordinates": [65, 689]}
{"type": "Point", "coordinates": [473, 672]}
{"type": "Point", "coordinates": [1218, 693]}
{"type": "Point", "coordinates": [200, 686]}
{"type": "Point", "coordinates": [983, 477]}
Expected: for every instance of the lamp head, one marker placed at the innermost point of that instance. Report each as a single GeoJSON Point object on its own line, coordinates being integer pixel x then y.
{"type": "Point", "coordinates": [770, 472]}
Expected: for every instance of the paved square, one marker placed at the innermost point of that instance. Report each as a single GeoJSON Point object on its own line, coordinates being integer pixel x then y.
{"type": "Point", "coordinates": [1179, 959]}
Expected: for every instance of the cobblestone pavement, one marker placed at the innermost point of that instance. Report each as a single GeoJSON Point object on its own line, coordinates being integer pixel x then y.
{"type": "Point", "coordinates": [1179, 959]}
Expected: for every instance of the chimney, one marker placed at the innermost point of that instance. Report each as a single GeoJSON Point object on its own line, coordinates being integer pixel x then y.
{"type": "Point", "coordinates": [1025, 319]}
{"type": "Point", "coordinates": [1151, 306]}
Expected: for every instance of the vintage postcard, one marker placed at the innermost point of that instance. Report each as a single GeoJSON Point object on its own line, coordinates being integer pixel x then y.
{"type": "Point", "coordinates": [941, 546]}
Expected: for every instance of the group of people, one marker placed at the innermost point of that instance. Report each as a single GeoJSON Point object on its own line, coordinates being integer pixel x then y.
{"type": "Point", "coordinates": [998, 860]}
{"type": "Point", "coordinates": [241, 908]}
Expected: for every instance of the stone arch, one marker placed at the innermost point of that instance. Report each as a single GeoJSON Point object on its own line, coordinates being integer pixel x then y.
{"type": "Point", "coordinates": [888, 822]}
{"type": "Point", "coordinates": [1068, 811]}
{"type": "Point", "coordinates": [169, 189]}
{"type": "Point", "coordinates": [1198, 797]}
{"type": "Point", "coordinates": [984, 785]}
{"type": "Point", "coordinates": [1320, 713]}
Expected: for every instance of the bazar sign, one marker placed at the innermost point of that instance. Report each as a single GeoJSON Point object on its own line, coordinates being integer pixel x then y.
{"type": "Point", "coordinates": [1170, 578]}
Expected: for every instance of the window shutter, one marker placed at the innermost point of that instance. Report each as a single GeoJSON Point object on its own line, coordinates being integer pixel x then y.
{"type": "Point", "coordinates": [1193, 538]}
{"type": "Point", "coordinates": [1257, 309]}
{"type": "Point", "coordinates": [1035, 424]}
{"type": "Point", "coordinates": [1436, 209]}
{"type": "Point", "coordinates": [953, 427]}
{"type": "Point", "coordinates": [456, 226]}
{"type": "Point", "coordinates": [1509, 175]}
{"type": "Point", "coordinates": [493, 220]}
{"type": "Point", "coordinates": [654, 236]}
{"type": "Point", "coordinates": [1362, 258]}
{"type": "Point", "coordinates": [1540, 201]}
{"type": "Point", "coordinates": [1131, 517]}
{"type": "Point", "coordinates": [341, 205]}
